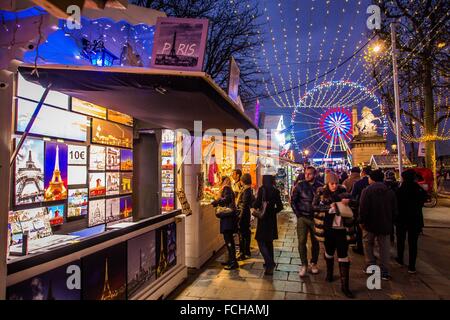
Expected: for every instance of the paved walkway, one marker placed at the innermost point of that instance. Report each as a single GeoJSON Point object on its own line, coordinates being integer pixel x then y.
{"type": "Point", "coordinates": [249, 282]}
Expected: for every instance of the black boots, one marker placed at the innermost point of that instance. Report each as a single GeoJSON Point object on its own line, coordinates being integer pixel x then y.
{"type": "Point", "coordinates": [233, 264]}
{"type": "Point", "coordinates": [344, 269]}
{"type": "Point", "coordinates": [330, 267]}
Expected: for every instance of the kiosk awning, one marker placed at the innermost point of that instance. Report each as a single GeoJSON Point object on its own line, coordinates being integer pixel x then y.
{"type": "Point", "coordinates": [161, 98]}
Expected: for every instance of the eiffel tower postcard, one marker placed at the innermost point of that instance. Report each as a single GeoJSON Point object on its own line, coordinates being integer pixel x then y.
{"type": "Point", "coordinates": [105, 274]}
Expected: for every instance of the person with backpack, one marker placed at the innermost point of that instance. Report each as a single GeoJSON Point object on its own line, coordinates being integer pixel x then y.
{"type": "Point", "coordinates": [268, 203]}
{"type": "Point", "coordinates": [244, 202]}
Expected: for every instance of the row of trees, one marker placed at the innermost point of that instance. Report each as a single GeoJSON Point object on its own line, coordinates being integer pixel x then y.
{"type": "Point", "coordinates": [233, 27]}
{"type": "Point", "coordinates": [423, 59]}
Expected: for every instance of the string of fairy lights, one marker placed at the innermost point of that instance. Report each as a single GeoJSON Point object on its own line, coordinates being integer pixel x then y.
{"type": "Point", "coordinates": [314, 92]}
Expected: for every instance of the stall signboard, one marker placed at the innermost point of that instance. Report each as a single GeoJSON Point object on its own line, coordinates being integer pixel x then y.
{"type": "Point", "coordinates": [179, 44]}
{"type": "Point", "coordinates": [233, 80]}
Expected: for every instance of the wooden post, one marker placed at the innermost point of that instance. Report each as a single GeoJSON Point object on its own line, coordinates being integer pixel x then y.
{"type": "Point", "coordinates": [6, 103]}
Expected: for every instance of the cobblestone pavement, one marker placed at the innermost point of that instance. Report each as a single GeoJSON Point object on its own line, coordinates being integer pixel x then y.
{"type": "Point", "coordinates": [250, 283]}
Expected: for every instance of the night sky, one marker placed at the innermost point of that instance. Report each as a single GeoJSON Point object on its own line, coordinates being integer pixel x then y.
{"type": "Point", "coordinates": [306, 39]}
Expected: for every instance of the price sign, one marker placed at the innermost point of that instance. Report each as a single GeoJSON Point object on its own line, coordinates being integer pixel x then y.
{"type": "Point", "coordinates": [77, 154]}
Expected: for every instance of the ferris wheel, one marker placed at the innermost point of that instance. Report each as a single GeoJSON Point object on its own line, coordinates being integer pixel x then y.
{"type": "Point", "coordinates": [327, 131]}
{"type": "Point", "coordinates": [322, 121]}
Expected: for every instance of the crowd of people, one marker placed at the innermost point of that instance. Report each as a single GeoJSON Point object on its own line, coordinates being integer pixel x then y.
{"type": "Point", "coordinates": [361, 209]}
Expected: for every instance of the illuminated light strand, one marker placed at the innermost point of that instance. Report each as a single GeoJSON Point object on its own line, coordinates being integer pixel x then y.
{"type": "Point", "coordinates": [286, 50]}
{"type": "Point", "coordinates": [321, 46]}
{"type": "Point", "coordinates": [275, 55]}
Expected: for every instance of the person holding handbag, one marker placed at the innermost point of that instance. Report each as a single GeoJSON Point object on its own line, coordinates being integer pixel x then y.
{"type": "Point", "coordinates": [266, 206]}
{"type": "Point", "coordinates": [333, 218]}
{"type": "Point", "coordinates": [227, 213]}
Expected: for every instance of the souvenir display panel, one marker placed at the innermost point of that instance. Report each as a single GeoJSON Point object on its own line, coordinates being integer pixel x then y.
{"type": "Point", "coordinates": [58, 182]}
{"type": "Point", "coordinates": [168, 170]}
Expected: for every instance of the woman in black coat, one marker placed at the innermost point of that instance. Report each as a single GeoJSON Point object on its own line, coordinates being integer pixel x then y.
{"type": "Point", "coordinates": [410, 198]}
{"type": "Point", "coordinates": [244, 202]}
{"type": "Point", "coordinates": [267, 227]}
{"type": "Point", "coordinates": [228, 220]}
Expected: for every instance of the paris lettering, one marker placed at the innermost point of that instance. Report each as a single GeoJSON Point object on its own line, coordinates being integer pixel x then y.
{"type": "Point", "coordinates": [183, 49]}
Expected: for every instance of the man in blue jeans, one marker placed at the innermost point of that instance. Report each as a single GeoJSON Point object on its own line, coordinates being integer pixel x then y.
{"type": "Point", "coordinates": [301, 201]}
{"type": "Point", "coordinates": [377, 211]}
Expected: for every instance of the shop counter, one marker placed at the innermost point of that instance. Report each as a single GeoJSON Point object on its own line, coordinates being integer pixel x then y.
{"type": "Point", "coordinates": [139, 260]}
{"type": "Point", "coordinates": [203, 238]}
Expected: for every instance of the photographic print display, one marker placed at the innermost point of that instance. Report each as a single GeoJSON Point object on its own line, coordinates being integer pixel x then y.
{"type": "Point", "coordinates": [141, 262]}
{"type": "Point", "coordinates": [56, 215]}
{"type": "Point", "coordinates": [179, 44]}
{"type": "Point", "coordinates": [29, 172]}
{"type": "Point", "coordinates": [126, 182]}
{"type": "Point", "coordinates": [88, 108]}
{"type": "Point", "coordinates": [112, 183]}
{"type": "Point", "coordinates": [78, 203]}
{"type": "Point", "coordinates": [77, 175]}
{"type": "Point", "coordinates": [35, 221]}
{"type": "Point", "coordinates": [120, 117]}
{"type": "Point", "coordinates": [29, 90]}
{"type": "Point", "coordinates": [126, 160]}
{"type": "Point", "coordinates": [112, 134]}
{"type": "Point", "coordinates": [97, 158]}
{"type": "Point", "coordinates": [162, 263]}
{"type": "Point", "coordinates": [126, 207]}
{"type": "Point", "coordinates": [97, 212]}
{"type": "Point", "coordinates": [113, 210]}
{"type": "Point", "coordinates": [112, 158]}
{"type": "Point", "coordinates": [77, 155]}
{"type": "Point", "coordinates": [172, 244]}
{"type": "Point", "coordinates": [55, 171]}
{"type": "Point", "coordinates": [97, 187]}
{"type": "Point", "coordinates": [56, 284]}
{"type": "Point", "coordinates": [51, 122]}
{"type": "Point", "coordinates": [168, 170]}
{"type": "Point", "coordinates": [105, 275]}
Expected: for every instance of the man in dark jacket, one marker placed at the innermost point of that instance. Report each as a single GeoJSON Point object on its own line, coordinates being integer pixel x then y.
{"type": "Point", "coordinates": [357, 189]}
{"type": "Point", "coordinates": [411, 198]}
{"type": "Point", "coordinates": [377, 210]}
{"type": "Point", "coordinates": [302, 198]}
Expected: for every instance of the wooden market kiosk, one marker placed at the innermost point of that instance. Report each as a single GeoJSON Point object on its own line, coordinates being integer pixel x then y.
{"type": "Point", "coordinates": [154, 246]}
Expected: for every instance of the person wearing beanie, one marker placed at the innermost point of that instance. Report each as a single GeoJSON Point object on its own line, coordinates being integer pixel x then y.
{"type": "Point", "coordinates": [377, 211]}
{"type": "Point", "coordinates": [333, 228]}
{"type": "Point", "coordinates": [354, 177]}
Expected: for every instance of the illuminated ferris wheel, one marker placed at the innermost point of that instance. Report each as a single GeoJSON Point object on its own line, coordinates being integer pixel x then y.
{"type": "Point", "coordinates": [322, 120]}
{"type": "Point", "coordinates": [328, 132]}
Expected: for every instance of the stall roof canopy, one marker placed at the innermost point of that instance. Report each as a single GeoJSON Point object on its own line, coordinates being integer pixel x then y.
{"type": "Point", "coordinates": [388, 161]}
{"type": "Point", "coordinates": [161, 98]}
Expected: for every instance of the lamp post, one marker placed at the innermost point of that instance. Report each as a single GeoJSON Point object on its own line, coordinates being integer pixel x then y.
{"type": "Point", "coordinates": [397, 98]}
